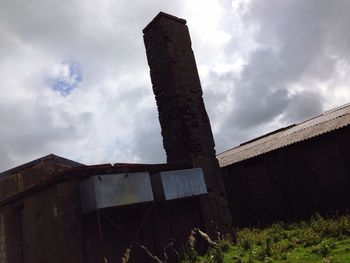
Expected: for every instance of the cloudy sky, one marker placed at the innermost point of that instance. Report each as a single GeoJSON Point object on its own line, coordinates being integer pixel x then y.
{"type": "Point", "coordinates": [74, 77]}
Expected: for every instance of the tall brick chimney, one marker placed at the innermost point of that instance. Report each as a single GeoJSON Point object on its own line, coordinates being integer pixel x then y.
{"type": "Point", "coordinates": [186, 129]}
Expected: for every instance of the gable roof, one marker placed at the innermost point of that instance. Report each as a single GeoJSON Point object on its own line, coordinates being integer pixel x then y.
{"type": "Point", "coordinates": [51, 157]}
{"type": "Point", "coordinates": [329, 121]}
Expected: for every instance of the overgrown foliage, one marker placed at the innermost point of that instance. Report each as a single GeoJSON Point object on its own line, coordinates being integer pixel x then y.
{"type": "Point", "coordinates": [316, 240]}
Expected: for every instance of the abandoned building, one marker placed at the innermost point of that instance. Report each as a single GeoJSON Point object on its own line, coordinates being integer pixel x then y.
{"type": "Point", "coordinates": [57, 210]}
{"type": "Point", "coordinates": [291, 173]}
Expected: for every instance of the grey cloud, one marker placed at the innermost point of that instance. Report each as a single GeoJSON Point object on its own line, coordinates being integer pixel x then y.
{"type": "Point", "coordinates": [259, 109]}
{"type": "Point", "coordinates": [297, 42]}
{"type": "Point", "coordinates": [106, 37]}
{"type": "Point", "coordinates": [148, 144]}
{"type": "Point", "coordinates": [307, 34]}
{"type": "Point", "coordinates": [302, 106]}
{"type": "Point", "coordinates": [112, 115]}
{"type": "Point", "coordinates": [29, 131]}
{"type": "Point", "coordinates": [104, 119]}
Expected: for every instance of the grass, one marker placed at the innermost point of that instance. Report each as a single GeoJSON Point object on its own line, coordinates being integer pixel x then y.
{"type": "Point", "coordinates": [316, 240]}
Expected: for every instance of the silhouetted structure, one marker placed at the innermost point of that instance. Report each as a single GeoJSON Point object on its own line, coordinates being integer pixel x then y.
{"type": "Point", "coordinates": [186, 130]}
{"type": "Point", "coordinates": [291, 173]}
{"type": "Point", "coordinates": [57, 210]}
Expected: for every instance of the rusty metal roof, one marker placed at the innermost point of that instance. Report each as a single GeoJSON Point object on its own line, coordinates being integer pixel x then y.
{"type": "Point", "coordinates": [329, 121]}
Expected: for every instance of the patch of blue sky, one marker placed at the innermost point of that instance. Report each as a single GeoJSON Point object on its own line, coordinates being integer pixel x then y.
{"type": "Point", "coordinates": [66, 78]}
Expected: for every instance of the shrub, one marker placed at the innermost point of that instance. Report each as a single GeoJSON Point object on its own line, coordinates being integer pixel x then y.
{"type": "Point", "coordinates": [323, 248]}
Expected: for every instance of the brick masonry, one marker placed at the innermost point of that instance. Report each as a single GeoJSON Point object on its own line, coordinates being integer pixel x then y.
{"type": "Point", "coordinates": [186, 130]}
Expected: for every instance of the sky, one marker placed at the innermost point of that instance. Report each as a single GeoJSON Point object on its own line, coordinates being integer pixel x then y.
{"type": "Point", "coordinates": [75, 82]}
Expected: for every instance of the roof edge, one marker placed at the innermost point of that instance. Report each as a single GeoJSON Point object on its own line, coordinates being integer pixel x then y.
{"type": "Point", "coordinates": [51, 156]}
{"type": "Point", "coordinates": [339, 117]}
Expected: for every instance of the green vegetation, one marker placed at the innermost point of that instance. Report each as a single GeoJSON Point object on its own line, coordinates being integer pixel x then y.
{"type": "Point", "coordinates": [318, 240]}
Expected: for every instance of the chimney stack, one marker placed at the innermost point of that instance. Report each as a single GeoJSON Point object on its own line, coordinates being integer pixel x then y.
{"type": "Point", "coordinates": [185, 125]}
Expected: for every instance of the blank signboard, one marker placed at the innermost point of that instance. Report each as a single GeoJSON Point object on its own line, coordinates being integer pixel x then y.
{"type": "Point", "coordinates": [111, 190]}
{"type": "Point", "coordinates": [183, 183]}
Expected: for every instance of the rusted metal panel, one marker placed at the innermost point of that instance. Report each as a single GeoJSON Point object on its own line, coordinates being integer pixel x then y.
{"type": "Point", "coordinates": [183, 183]}
{"type": "Point", "coordinates": [112, 190]}
{"type": "Point", "coordinates": [325, 123]}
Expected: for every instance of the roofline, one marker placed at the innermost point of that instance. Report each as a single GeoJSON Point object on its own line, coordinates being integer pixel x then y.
{"type": "Point", "coordinates": [30, 164]}
{"type": "Point", "coordinates": [91, 170]}
{"type": "Point", "coordinates": [330, 112]}
{"type": "Point", "coordinates": [287, 127]}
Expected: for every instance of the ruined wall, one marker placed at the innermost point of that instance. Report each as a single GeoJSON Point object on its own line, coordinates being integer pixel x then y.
{"type": "Point", "coordinates": [186, 129]}
{"type": "Point", "coordinates": [44, 226]}
{"type": "Point", "coordinates": [291, 183]}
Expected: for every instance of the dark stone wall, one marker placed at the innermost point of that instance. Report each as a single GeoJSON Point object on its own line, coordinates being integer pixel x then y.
{"type": "Point", "coordinates": [291, 183]}
{"type": "Point", "coordinates": [44, 227]}
{"type": "Point", "coordinates": [47, 226]}
{"type": "Point", "coordinates": [186, 129]}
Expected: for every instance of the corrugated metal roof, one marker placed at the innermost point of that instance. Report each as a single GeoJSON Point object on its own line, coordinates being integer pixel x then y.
{"type": "Point", "coordinates": [328, 121]}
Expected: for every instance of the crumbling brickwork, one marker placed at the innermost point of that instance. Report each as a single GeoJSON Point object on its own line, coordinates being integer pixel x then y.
{"type": "Point", "coordinates": [186, 129]}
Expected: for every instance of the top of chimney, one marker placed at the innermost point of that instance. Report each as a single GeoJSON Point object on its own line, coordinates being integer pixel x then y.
{"type": "Point", "coordinates": [163, 15]}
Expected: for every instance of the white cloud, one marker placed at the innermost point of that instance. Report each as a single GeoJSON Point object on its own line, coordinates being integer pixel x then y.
{"type": "Point", "coordinates": [260, 63]}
